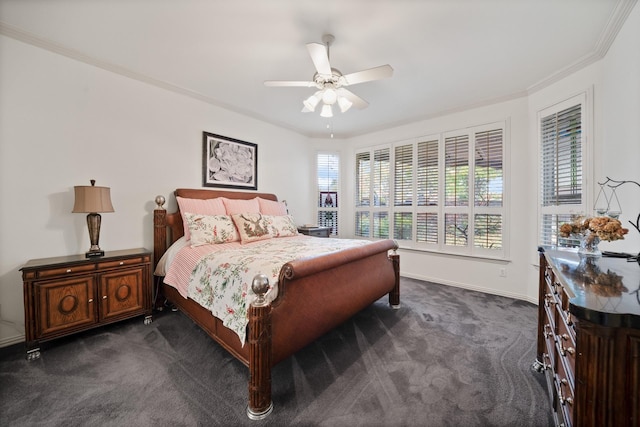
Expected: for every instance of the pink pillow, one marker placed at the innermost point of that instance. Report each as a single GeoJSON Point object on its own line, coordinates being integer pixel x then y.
{"type": "Point", "coordinates": [199, 206]}
{"type": "Point", "coordinates": [271, 207]}
{"type": "Point", "coordinates": [237, 206]}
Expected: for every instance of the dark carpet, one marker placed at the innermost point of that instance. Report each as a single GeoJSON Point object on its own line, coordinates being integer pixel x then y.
{"type": "Point", "coordinates": [448, 357]}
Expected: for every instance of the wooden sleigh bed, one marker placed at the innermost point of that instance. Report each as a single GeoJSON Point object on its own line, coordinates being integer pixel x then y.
{"type": "Point", "coordinates": [315, 295]}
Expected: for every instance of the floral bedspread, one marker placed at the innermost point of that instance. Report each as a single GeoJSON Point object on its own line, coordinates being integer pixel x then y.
{"type": "Point", "coordinates": [221, 281]}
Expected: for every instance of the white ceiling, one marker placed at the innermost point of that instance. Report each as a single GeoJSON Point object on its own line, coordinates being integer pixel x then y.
{"type": "Point", "coordinates": [447, 55]}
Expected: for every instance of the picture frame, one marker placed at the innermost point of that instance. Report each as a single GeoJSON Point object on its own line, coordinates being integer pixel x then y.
{"type": "Point", "coordinates": [229, 162]}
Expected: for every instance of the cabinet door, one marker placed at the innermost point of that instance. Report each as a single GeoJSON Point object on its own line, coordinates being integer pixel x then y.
{"type": "Point", "coordinates": [64, 304]}
{"type": "Point", "coordinates": [121, 293]}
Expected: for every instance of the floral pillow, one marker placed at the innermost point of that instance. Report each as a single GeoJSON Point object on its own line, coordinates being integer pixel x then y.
{"type": "Point", "coordinates": [252, 226]}
{"type": "Point", "coordinates": [199, 206]}
{"type": "Point", "coordinates": [281, 225]}
{"type": "Point", "coordinates": [210, 229]}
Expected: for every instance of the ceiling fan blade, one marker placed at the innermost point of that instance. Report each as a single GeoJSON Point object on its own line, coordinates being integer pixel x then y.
{"type": "Point", "coordinates": [318, 53]}
{"type": "Point", "coordinates": [358, 102]}
{"type": "Point", "coordinates": [288, 83]}
{"type": "Point", "coordinates": [376, 73]}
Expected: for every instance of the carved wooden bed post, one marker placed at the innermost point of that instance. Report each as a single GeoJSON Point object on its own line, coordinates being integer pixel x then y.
{"type": "Point", "coordinates": [394, 295]}
{"type": "Point", "coordinates": [260, 404]}
{"type": "Point", "coordinates": [160, 232]}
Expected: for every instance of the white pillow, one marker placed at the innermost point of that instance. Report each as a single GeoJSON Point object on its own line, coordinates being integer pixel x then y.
{"type": "Point", "coordinates": [210, 229]}
{"type": "Point", "coordinates": [281, 225]}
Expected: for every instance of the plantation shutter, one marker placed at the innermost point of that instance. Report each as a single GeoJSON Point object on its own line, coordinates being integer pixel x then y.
{"type": "Point", "coordinates": [328, 173]}
{"type": "Point", "coordinates": [456, 163]}
{"type": "Point", "coordinates": [561, 170]}
{"type": "Point", "coordinates": [561, 157]}
{"type": "Point", "coordinates": [381, 177]}
{"type": "Point", "coordinates": [427, 176]}
{"type": "Point", "coordinates": [363, 179]}
{"type": "Point", "coordinates": [403, 175]}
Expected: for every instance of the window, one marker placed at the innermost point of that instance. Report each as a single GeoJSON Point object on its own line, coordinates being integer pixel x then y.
{"type": "Point", "coordinates": [562, 161]}
{"type": "Point", "coordinates": [444, 192]}
{"type": "Point", "coordinates": [372, 193]}
{"type": "Point", "coordinates": [328, 166]}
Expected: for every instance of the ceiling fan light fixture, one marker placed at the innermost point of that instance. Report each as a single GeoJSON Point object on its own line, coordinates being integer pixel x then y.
{"type": "Point", "coordinates": [327, 111]}
{"type": "Point", "coordinates": [329, 96]}
{"type": "Point", "coordinates": [344, 104]}
{"type": "Point", "coordinates": [311, 102]}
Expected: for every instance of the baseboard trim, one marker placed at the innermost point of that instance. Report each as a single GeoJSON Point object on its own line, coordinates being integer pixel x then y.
{"type": "Point", "coordinates": [470, 287]}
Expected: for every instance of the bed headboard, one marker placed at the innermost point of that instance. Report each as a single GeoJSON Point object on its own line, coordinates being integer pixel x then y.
{"type": "Point", "coordinates": [167, 227]}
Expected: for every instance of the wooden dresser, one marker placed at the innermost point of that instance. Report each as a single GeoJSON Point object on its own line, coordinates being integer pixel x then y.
{"type": "Point", "coordinates": [69, 294]}
{"type": "Point", "coordinates": [589, 338]}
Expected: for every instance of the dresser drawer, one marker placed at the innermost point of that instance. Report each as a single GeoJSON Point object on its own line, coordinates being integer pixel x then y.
{"type": "Point", "coordinates": [120, 263]}
{"type": "Point", "coordinates": [56, 272]}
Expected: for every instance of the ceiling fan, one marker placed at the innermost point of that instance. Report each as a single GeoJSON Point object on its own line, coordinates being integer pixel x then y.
{"type": "Point", "coordinates": [331, 83]}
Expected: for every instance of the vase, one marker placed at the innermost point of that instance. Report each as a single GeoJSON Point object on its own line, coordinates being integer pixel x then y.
{"type": "Point", "coordinates": [589, 245]}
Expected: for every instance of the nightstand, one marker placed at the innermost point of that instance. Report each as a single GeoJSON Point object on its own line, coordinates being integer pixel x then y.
{"type": "Point", "coordinates": [69, 294]}
{"type": "Point", "coordinates": [315, 231]}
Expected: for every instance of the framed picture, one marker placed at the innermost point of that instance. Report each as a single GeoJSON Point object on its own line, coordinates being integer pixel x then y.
{"type": "Point", "coordinates": [228, 162]}
{"type": "Point", "coordinates": [328, 199]}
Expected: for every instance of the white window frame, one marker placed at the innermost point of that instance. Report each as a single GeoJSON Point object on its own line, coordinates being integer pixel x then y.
{"type": "Point", "coordinates": [469, 249]}
{"type": "Point", "coordinates": [584, 99]}
{"type": "Point", "coordinates": [340, 196]}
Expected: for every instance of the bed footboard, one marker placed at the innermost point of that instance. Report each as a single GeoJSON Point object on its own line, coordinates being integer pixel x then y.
{"type": "Point", "coordinates": [314, 296]}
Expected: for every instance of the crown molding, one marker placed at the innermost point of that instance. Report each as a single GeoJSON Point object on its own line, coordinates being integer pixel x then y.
{"type": "Point", "coordinates": [614, 24]}
{"type": "Point", "coordinates": [35, 40]}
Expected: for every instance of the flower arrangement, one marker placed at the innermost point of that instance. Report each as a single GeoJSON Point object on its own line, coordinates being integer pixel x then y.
{"type": "Point", "coordinates": [590, 228]}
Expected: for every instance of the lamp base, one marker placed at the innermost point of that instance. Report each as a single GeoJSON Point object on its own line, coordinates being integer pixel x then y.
{"type": "Point", "coordinates": [94, 254]}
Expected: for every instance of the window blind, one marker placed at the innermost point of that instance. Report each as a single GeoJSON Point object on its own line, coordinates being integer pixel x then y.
{"type": "Point", "coordinates": [403, 225]}
{"type": "Point", "coordinates": [427, 173]}
{"type": "Point", "coordinates": [403, 175]}
{"type": "Point", "coordinates": [328, 174]}
{"type": "Point", "coordinates": [561, 135]}
{"type": "Point", "coordinates": [381, 159]}
{"type": "Point", "coordinates": [456, 163]}
{"type": "Point", "coordinates": [488, 168]}
{"type": "Point", "coordinates": [427, 227]}
{"type": "Point", "coordinates": [380, 225]}
{"type": "Point", "coordinates": [561, 171]}
{"type": "Point", "coordinates": [363, 179]}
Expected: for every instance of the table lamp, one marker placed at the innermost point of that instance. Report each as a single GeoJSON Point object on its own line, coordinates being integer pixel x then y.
{"type": "Point", "coordinates": [93, 200]}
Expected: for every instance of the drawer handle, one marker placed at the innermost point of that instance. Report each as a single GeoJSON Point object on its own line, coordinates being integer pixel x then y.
{"type": "Point", "coordinates": [68, 270]}
{"type": "Point", "coordinates": [121, 262]}
{"type": "Point", "coordinates": [104, 297]}
{"type": "Point", "coordinates": [549, 300]}
{"type": "Point", "coordinates": [90, 299]}
{"type": "Point", "coordinates": [569, 350]}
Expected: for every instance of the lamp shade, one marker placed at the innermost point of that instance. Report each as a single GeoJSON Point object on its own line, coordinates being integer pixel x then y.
{"type": "Point", "coordinates": [92, 199]}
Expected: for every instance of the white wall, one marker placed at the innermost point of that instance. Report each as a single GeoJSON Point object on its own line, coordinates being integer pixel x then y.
{"type": "Point", "coordinates": [476, 273]}
{"type": "Point", "coordinates": [64, 122]}
{"type": "Point", "coordinates": [620, 139]}
{"type": "Point", "coordinates": [614, 83]}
